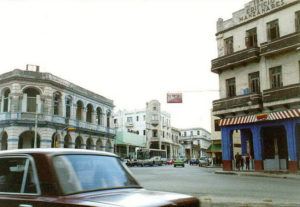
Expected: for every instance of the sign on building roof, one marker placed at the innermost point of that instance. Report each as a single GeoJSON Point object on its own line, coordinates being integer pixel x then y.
{"type": "Point", "coordinates": [174, 97]}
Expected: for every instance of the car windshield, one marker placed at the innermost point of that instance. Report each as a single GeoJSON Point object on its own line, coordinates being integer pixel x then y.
{"type": "Point", "coordinates": [79, 173]}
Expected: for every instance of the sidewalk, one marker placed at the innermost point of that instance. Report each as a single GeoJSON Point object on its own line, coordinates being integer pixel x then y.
{"type": "Point", "coordinates": [271, 174]}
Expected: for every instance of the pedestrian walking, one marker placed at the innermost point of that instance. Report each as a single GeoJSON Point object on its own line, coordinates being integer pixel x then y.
{"type": "Point", "coordinates": [242, 162]}
{"type": "Point", "coordinates": [247, 161]}
{"type": "Point", "coordinates": [237, 160]}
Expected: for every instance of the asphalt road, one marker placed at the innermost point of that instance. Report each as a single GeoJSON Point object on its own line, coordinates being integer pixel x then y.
{"type": "Point", "coordinates": [203, 183]}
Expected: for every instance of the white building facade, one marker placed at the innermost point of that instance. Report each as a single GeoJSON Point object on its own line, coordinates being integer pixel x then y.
{"type": "Point", "coordinates": [152, 124]}
{"type": "Point", "coordinates": [67, 115]}
{"type": "Point", "coordinates": [259, 78]}
{"type": "Point", "coordinates": [195, 141]}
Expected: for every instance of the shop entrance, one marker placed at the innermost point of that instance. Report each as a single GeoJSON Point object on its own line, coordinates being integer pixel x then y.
{"type": "Point", "coordinates": [275, 152]}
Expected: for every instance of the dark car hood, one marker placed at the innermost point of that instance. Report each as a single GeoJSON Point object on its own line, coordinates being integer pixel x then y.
{"type": "Point", "coordinates": [142, 198]}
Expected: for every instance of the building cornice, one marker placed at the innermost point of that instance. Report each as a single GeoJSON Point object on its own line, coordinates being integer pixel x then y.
{"type": "Point", "coordinates": [48, 78]}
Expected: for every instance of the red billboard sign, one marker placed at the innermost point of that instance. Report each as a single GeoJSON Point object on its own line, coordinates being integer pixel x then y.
{"type": "Point", "coordinates": [174, 97]}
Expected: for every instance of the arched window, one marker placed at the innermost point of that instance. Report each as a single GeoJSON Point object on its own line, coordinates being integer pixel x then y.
{"type": "Point", "coordinates": [107, 146]}
{"type": "Point", "coordinates": [31, 99]}
{"type": "Point", "coordinates": [5, 100]}
{"type": "Point", "coordinates": [99, 145]}
{"type": "Point", "coordinates": [108, 119]}
{"type": "Point", "coordinates": [67, 141]}
{"type": "Point", "coordinates": [68, 107]}
{"type": "Point", "coordinates": [56, 103]}
{"type": "Point", "coordinates": [26, 140]}
{"type": "Point", "coordinates": [79, 110]}
{"type": "Point", "coordinates": [89, 113]}
{"type": "Point", "coordinates": [99, 116]}
{"type": "Point", "coordinates": [78, 142]}
{"type": "Point", "coordinates": [89, 143]}
{"type": "Point", "coordinates": [55, 140]}
{"type": "Point", "coordinates": [4, 141]}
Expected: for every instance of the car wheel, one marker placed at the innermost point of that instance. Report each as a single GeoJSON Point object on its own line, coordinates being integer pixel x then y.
{"type": "Point", "coordinates": [182, 165]}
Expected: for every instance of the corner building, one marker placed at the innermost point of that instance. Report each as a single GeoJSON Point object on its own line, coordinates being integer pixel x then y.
{"type": "Point", "coordinates": [59, 106]}
{"type": "Point", "coordinates": [258, 66]}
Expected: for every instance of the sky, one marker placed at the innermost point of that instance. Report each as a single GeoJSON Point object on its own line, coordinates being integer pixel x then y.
{"type": "Point", "coordinates": [130, 51]}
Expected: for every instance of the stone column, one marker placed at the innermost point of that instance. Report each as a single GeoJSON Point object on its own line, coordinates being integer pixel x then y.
{"type": "Point", "coordinates": [94, 114]}
{"type": "Point", "coordinates": [244, 138]}
{"type": "Point", "coordinates": [290, 127]}
{"type": "Point", "coordinates": [83, 114]}
{"type": "Point", "coordinates": [24, 102]}
{"type": "Point", "coordinates": [73, 110]}
{"type": "Point", "coordinates": [13, 137]}
{"type": "Point", "coordinates": [45, 137]}
{"type": "Point", "coordinates": [257, 147]}
{"type": "Point", "coordinates": [227, 148]}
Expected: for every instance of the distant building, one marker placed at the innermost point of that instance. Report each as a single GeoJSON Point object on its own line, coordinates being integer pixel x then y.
{"type": "Point", "coordinates": [259, 78]}
{"type": "Point", "coordinates": [195, 141]}
{"type": "Point", "coordinates": [147, 128]}
{"type": "Point", "coordinates": [130, 132]}
{"type": "Point", "coordinates": [67, 115]}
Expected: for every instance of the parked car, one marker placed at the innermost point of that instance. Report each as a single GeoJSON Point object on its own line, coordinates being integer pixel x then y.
{"type": "Point", "coordinates": [194, 161]}
{"type": "Point", "coordinates": [131, 163]}
{"type": "Point", "coordinates": [203, 161]}
{"type": "Point", "coordinates": [69, 177]}
{"type": "Point", "coordinates": [170, 162]}
{"type": "Point", "coordinates": [179, 162]}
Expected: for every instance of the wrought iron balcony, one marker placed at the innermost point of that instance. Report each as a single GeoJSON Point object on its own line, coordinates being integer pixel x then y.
{"type": "Point", "coordinates": [238, 103]}
{"type": "Point", "coordinates": [282, 95]}
{"type": "Point", "coordinates": [237, 58]}
{"type": "Point", "coordinates": [282, 44]}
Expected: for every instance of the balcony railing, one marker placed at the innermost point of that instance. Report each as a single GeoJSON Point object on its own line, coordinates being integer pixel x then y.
{"type": "Point", "coordinates": [154, 122]}
{"type": "Point", "coordinates": [284, 43]}
{"type": "Point", "coordinates": [30, 116]}
{"type": "Point", "coordinates": [235, 59]}
{"type": "Point", "coordinates": [249, 101]}
{"type": "Point", "coordinates": [282, 94]}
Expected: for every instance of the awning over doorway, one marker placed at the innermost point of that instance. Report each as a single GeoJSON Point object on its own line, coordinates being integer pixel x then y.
{"type": "Point", "coordinates": [214, 148]}
{"type": "Point", "coordinates": [293, 113]}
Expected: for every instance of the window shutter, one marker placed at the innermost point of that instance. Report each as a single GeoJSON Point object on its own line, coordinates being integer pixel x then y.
{"type": "Point", "coordinates": [269, 32]}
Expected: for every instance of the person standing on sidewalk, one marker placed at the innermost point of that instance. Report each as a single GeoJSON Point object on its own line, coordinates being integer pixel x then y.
{"type": "Point", "coordinates": [242, 162]}
{"type": "Point", "coordinates": [237, 160]}
{"type": "Point", "coordinates": [247, 161]}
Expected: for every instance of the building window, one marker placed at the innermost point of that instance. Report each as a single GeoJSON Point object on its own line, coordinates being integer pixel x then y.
{"type": "Point", "coordinates": [154, 108]}
{"type": "Point", "coordinates": [228, 45]}
{"type": "Point", "coordinates": [129, 119]}
{"type": "Point", "coordinates": [191, 133]}
{"type": "Point", "coordinates": [297, 21]}
{"type": "Point", "coordinates": [273, 30]}
{"type": "Point", "coordinates": [68, 108]}
{"type": "Point", "coordinates": [230, 87]}
{"type": "Point", "coordinates": [154, 133]}
{"type": "Point", "coordinates": [5, 101]}
{"type": "Point", "coordinates": [254, 82]}
{"type": "Point", "coordinates": [144, 117]}
{"type": "Point", "coordinates": [115, 121]}
{"type": "Point", "coordinates": [217, 127]}
{"type": "Point", "coordinates": [251, 38]}
{"type": "Point", "coordinates": [276, 77]}
{"type": "Point", "coordinates": [185, 134]}
{"type": "Point", "coordinates": [154, 117]}
{"type": "Point", "coordinates": [137, 118]}
{"type": "Point", "coordinates": [198, 132]}
{"type": "Point", "coordinates": [144, 132]}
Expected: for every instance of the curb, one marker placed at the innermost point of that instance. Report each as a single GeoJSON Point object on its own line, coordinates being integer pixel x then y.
{"type": "Point", "coordinates": [257, 175]}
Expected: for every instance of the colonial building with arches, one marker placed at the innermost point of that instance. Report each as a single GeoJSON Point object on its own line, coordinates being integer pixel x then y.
{"type": "Point", "coordinates": [68, 116]}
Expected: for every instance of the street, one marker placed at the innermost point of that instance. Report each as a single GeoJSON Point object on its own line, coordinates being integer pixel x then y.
{"type": "Point", "coordinates": [203, 183]}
